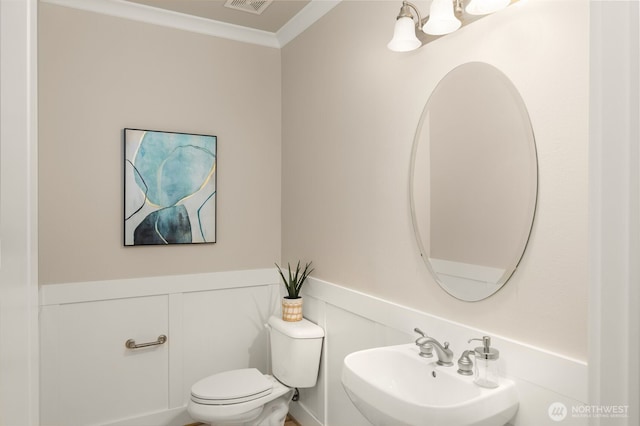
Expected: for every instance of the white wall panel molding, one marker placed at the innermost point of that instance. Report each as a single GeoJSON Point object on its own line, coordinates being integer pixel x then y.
{"type": "Point", "coordinates": [177, 397]}
{"type": "Point", "coordinates": [90, 291]}
{"type": "Point", "coordinates": [198, 309]}
{"type": "Point", "coordinates": [88, 376]}
{"type": "Point", "coordinates": [85, 325]}
{"type": "Point", "coordinates": [555, 372]}
{"type": "Point", "coordinates": [143, 13]}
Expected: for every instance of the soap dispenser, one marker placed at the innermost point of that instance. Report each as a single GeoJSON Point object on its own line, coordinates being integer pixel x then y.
{"type": "Point", "coordinates": [486, 365]}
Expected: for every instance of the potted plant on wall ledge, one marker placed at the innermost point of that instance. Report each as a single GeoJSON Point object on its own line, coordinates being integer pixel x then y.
{"type": "Point", "coordinates": [292, 303]}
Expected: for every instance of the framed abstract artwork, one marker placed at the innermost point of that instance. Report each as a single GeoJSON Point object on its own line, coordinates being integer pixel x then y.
{"type": "Point", "coordinates": [169, 188]}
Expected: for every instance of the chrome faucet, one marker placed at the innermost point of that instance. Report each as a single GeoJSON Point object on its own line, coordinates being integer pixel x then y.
{"type": "Point", "coordinates": [445, 355]}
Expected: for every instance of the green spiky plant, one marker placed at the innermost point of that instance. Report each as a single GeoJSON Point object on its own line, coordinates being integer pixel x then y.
{"type": "Point", "coordinates": [296, 279]}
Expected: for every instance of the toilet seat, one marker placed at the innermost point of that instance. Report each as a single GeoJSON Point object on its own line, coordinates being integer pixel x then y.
{"type": "Point", "coordinates": [242, 412]}
{"type": "Point", "coordinates": [231, 387]}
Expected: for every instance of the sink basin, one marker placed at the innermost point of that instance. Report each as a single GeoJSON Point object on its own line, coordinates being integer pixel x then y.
{"type": "Point", "coordinates": [394, 386]}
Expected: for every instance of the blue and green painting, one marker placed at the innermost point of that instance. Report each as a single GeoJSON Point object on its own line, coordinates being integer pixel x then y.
{"type": "Point", "coordinates": [169, 188]}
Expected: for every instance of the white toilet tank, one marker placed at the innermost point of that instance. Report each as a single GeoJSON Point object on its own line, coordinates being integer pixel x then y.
{"type": "Point", "coordinates": [295, 352]}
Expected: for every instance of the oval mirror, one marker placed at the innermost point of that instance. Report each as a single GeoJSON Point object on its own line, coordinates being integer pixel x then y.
{"type": "Point", "coordinates": [474, 181]}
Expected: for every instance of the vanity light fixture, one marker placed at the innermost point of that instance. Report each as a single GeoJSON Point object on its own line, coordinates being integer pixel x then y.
{"type": "Point", "coordinates": [442, 19]}
{"type": "Point", "coordinates": [445, 16]}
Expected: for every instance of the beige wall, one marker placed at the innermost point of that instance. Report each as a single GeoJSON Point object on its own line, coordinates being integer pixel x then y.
{"type": "Point", "coordinates": [100, 74]}
{"type": "Point", "coordinates": [350, 110]}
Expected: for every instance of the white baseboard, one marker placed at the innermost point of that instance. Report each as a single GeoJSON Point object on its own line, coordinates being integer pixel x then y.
{"type": "Point", "coordinates": [302, 415]}
{"type": "Point", "coordinates": [180, 417]}
{"type": "Point", "coordinates": [174, 417]}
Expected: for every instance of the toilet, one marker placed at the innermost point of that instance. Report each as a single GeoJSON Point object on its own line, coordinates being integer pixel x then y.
{"type": "Point", "coordinates": [246, 397]}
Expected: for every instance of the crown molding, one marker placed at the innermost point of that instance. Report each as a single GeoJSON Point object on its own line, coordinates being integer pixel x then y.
{"type": "Point", "coordinates": [167, 18]}
{"type": "Point", "coordinates": [315, 10]}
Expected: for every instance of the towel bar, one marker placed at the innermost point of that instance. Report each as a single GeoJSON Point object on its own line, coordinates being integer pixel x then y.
{"type": "Point", "coordinates": [131, 344]}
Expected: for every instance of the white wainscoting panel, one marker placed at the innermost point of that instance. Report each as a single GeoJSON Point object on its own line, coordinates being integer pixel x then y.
{"type": "Point", "coordinates": [314, 413]}
{"type": "Point", "coordinates": [355, 321]}
{"type": "Point", "coordinates": [214, 322]}
{"type": "Point", "coordinates": [90, 376]}
{"type": "Point", "coordinates": [341, 341]}
{"type": "Point", "coordinates": [224, 330]}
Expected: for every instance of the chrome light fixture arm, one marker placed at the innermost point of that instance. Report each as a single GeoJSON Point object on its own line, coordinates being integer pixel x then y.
{"type": "Point", "coordinates": [405, 12]}
{"type": "Point", "coordinates": [458, 6]}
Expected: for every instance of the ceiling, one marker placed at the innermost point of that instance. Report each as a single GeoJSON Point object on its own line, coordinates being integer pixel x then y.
{"type": "Point", "coordinates": [272, 18]}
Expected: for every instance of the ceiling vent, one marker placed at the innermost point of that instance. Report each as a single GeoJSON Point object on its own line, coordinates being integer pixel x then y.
{"type": "Point", "coordinates": [251, 6]}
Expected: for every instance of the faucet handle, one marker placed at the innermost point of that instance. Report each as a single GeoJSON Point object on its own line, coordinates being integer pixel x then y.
{"type": "Point", "coordinates": [465, 365]}
{"type": "Point", "coordinates": [420, 332]}
{"type": "Point", "coordinates": [426, 349]}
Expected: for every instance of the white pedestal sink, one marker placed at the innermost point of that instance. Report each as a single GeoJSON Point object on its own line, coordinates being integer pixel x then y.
{"type": "Point", "coordinates": [394, 386]}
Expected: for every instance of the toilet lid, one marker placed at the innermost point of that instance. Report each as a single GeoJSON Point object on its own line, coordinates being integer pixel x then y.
{"type": "Point", "coordinates": [231, 387]}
